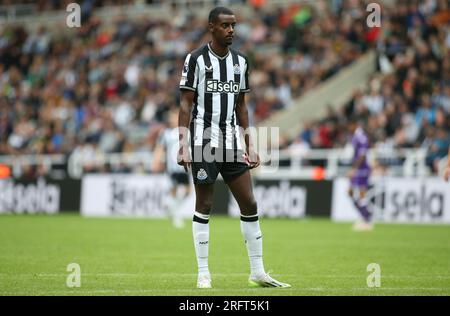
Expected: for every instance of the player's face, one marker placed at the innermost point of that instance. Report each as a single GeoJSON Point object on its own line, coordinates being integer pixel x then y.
{"type": "Point", "coordinates": [223, 29]}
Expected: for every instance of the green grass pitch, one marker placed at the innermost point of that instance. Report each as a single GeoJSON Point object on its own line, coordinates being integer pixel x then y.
{"type": "Point", "coordinates": [150, 257]}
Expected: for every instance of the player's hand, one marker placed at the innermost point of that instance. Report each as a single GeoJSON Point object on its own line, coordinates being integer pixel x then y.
{"type": "Point", "coordinates": [252, 159]}
{"type": "Point", "coordinates": [447, 173]}
{"type": "Point", "coordinates": [184, 158]}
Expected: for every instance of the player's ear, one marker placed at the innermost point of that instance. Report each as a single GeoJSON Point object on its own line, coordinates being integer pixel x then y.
{"type": "Point", "coordinates": [211, 27]}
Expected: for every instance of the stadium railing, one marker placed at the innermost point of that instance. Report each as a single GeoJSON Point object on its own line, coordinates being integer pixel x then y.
{"type": "Point", "coordinates": [115, 161]}
{"type": "Point", "coordinates": [286, 163]}
{"type": "Point", "coordinates": [18, 163]}
{"type": "Point", "coordinates": [10, 13]}
{"type": "Point", "coordinates": [332, 163]}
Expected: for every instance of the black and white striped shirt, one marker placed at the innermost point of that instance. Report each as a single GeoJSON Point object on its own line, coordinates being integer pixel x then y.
{"type": "Point", "coordinates": [217, 82]}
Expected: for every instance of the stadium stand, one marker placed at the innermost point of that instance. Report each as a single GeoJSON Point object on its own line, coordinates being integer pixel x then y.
{"type": "Point", "coordinates": [106, 87]}
{"type": "Point", "coordinates": [406, 104]}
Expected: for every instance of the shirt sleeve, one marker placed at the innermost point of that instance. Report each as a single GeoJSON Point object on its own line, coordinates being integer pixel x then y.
{"type": "Point", "coordinates": [244, 83]}
{"type": "Point", "coordinates": [189, 74]}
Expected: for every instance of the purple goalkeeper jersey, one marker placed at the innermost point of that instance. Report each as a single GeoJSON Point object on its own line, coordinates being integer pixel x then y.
{"type": "Point", "coordinates": [360, 143]}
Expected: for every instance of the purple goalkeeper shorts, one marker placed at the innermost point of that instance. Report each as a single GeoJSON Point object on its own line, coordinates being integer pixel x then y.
{"type": "Point", "coordinates": [361, 179]}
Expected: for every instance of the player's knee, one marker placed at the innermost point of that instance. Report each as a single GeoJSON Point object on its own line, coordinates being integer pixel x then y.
{"type": "Point", "coordinates": [253, 206]}
{"type": "Point", "coordinates": [204, 207]}
{"type": "Point", "coordinates": [250, 208]}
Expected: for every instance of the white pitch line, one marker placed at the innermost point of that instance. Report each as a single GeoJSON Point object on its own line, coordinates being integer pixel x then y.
{"type": "Point", "coordinates": [44, 275]}
{"type": "Point", "coordinates": [120, 274]}
{"type": "Point", "coordinates": [259, 291]}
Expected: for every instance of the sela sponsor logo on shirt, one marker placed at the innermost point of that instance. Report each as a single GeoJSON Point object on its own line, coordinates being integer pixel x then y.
{"type": "Point", "coordinates": [213, 85]}
{"type": "Point", "coordinates": [201, 174]}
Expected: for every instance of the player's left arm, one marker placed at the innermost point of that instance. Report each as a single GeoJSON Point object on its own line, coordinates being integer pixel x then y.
{"type": "Point", "coordinates": [252, 156]}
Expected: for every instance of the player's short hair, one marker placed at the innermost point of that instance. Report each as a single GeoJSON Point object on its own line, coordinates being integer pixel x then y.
{"type": "Point", "coordinates": [214, 14]}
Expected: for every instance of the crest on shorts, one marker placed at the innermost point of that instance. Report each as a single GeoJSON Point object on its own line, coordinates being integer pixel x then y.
{"type": "Point", "coordinates": [236, 69]}
{"type": "Point", "coordinates": [201, 174]}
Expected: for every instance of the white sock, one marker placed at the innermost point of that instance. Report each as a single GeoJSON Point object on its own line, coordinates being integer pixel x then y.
{"type": "Point", "coordinates": [176, 212]}
{"type": "Point", "coordinates": [178, 199]}
{"type": "Point", "coordinates": [253, 240]}
{"type": "Point", "coordinates": [200, 230]}
{"type": "Point", "coordinates": [170, 204]}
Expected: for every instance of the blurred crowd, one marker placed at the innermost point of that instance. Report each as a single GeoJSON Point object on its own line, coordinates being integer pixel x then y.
{"type": "Point", "coordinates": [406, 104]}
{"type": "Point", "coordinates": [52, 5]}
{"type": "Point", "coordinates": [107, 87]}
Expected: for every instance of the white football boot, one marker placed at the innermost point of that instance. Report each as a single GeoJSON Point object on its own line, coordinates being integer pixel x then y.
{"type": "Point", "coordinates": [266, 280]}
{"type": "Point", "coordinates": [204, 281]}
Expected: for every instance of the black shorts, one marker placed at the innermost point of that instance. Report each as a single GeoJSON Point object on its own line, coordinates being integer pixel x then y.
{"type": "Point", "coordinates": [229, 163]}
{"type": "Point", "coordinates": [179, 178]}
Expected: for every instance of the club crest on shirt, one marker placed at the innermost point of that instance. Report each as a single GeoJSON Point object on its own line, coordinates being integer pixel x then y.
{"type": "Point", "coordinates": [201, 174]}
{"type": "Point", "coordinates": [236, 69]}
{"type": "Point", "coordinates": [185, 68]}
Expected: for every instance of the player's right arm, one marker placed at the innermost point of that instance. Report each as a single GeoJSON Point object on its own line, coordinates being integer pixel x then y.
{"type": "Point", "coordinates": [188, 87]}
{"type": "Point", "coordinates": [184, 119]}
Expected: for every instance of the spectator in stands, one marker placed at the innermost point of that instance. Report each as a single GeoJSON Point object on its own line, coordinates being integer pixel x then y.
{"type": "Point", "coordinates": [58, 91]}
{"type": "Point", "coordinates": [125, 70]}
{"type": "Point", "coordinates": [409, 100]}
{"type": "Point", "coordinates": [438, 149]}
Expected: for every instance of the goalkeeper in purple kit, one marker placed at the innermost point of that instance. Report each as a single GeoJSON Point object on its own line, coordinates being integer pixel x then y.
{"type": "Point", "coordinates": [359, 176]}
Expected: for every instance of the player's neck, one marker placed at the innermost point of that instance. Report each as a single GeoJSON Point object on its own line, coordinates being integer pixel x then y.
{"type": "Point", "coordinates": [218, 49]}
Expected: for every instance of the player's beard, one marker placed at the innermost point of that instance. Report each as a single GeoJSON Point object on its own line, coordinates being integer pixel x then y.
{"type": "Point", "coordinates": [224, 41]}
{"type": "Point", "coordinates": [228, 41]}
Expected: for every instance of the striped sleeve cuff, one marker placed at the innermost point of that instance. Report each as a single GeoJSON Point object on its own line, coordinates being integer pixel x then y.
{"type": "Point", "coordinates": [187, 88]}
